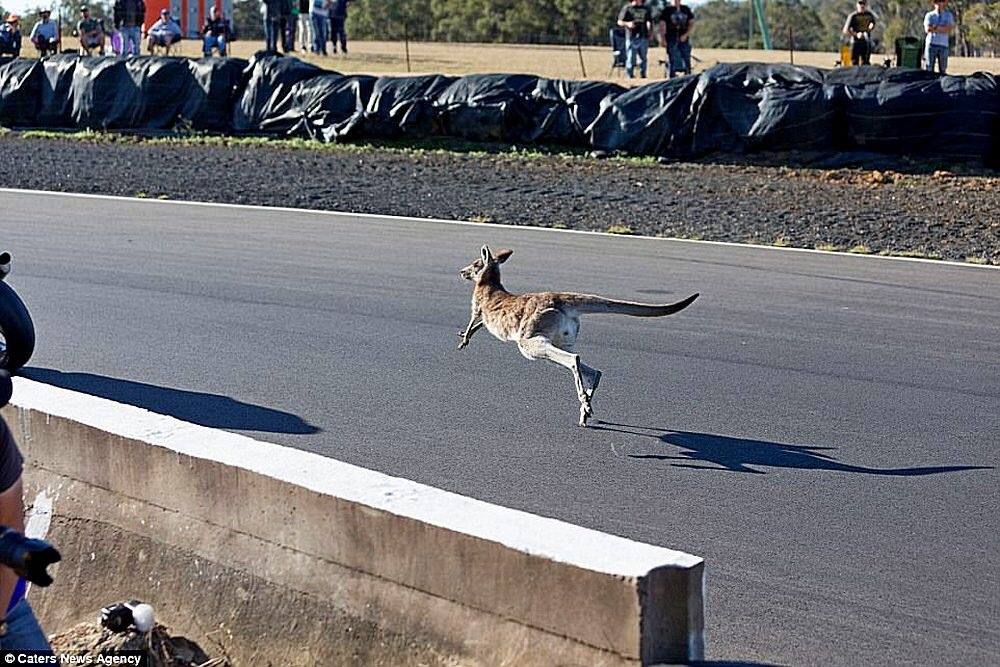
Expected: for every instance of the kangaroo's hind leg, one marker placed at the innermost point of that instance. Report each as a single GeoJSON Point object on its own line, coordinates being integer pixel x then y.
{"type": "Point", "coordinates": [540, 347]}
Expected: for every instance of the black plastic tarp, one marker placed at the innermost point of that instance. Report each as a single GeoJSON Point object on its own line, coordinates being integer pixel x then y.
{"type": "Point", "coordinates": [909, 111]}
{"type": "Point", "coordinates": [487, 107]}
{"type": "Point", "coordinates": [737, 108]}
{"type": "Point", "coordinates": [404, 106]}
{"type": "Point", "coordinates": [331, 106]}
{"type": "Point", "coordinates": [20, 91]}
{"type": "Point", "coordinates": [563, 110]}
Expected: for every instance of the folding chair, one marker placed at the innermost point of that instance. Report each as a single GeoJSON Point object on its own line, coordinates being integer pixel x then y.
{"type": "Point", "coordinates": [617, 36]}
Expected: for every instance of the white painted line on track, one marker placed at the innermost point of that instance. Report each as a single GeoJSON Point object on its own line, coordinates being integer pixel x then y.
{"type": "Point", "coordinates": [466, 223]}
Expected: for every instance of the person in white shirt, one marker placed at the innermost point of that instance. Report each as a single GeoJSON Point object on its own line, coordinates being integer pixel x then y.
{"type": "Point", "coordinates": [165, 32]}
{"type": "Point", "coordinates": [45, 35]}
{"type": "Point", "coordinates": [938, 24]}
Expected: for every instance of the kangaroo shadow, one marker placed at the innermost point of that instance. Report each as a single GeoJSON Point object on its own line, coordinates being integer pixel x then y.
{"type": "Point", "coordinates": [200, 408]}
{"type": "Point", "coordinates": [704, 451]}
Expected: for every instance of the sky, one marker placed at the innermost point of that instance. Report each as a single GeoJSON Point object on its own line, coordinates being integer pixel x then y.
{"type": "Point", "coordinates": [24, 6]}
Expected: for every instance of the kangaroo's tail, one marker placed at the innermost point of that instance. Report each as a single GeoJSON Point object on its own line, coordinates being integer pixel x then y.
{"type": "Point", "coordinates": [586, 304]}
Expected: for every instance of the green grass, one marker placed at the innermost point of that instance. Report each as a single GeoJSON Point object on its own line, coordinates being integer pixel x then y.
{"type": "Point", "coordinates": [436, 145]}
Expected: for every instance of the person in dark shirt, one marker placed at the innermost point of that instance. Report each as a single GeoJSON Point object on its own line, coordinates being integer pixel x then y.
{"type": "Point", "coordinates": [276, 13]}
{"type": "Point", "coordinates": [637, 19]}
{"type": "Point", "coordinates": [129, 17]}
{"type": "Point", "coordinates": [676, 22]}
{"type": "Point", "coordinates": [338, 22]}
{"type": "Point", "coordinates": [859, 28]}
{"type": "Point", "coordinates": [91, 32]}
{"type": "Point", "coordinates": [216, 33]}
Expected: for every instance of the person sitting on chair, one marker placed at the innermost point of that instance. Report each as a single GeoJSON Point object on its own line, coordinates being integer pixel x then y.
{"type": "Point", "coordinates": [10, 36]}
{"type": "Point", "coordinates": [45, 35]}
{"type": "Point", "coordinates": [91, 32]}
{"type": "Point", "coordinates": [165, 32]}
{"type": "Point", "coordinates": [217, 33]}
{"type": "Point", "coordinates": [859, 28]}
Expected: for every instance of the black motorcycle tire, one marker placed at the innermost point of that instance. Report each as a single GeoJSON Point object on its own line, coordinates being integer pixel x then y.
{"type": "Point", "coordinates": [17, 330]}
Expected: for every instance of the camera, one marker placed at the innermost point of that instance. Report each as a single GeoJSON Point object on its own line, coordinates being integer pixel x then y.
{"type": "Point", "coordinates": [28, 557]}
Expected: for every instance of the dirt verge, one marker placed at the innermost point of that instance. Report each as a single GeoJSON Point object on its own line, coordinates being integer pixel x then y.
{"type": "Point", "coordinates": [895, 208]}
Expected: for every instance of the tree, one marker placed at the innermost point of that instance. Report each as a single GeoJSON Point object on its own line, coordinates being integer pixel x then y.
{"type": "Point", "coordinates": [722, 24]}
{"type": "Point", "coordinates": [248, 19]}
{"type": "Point", "coordinates": [392, 19]}
{"type": "Point", "coordinates": [804, 24]}
{"type": "Point", "coordinates": [983, 21]}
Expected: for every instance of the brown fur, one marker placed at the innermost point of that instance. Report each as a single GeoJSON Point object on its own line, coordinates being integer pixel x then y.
{"type": "Point", "coordinates": [545, 325]}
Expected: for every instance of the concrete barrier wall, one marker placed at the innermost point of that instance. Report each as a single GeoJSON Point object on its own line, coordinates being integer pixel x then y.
{"type": "Point", "coordinates": [266, 553]}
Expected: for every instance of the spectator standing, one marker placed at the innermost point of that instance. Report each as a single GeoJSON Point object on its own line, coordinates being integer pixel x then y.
{"type": "Point", "coordinates": [91, 32]}
{"type": "Point", "coordinates": [129, 17]}
{"type": "Point", "coordinates": [10, 36]}
{"type": "Point", "coordinates": [165, 32]}
{"type": "Point", "coordinates": [272, 23]}
{"type": "Point", "coordinates": [938, 24]}
{"type": "Point", "coordinates": [858, 28]}
{"type": "Point", "coordinates": [45, 35]}
{"type": "Point", "coordinates": [338, 24]}
{"type": "Point", "coordinates": [216, 33]}
{"type": "Point", "coordinates": [305, 25]}
{"type": "Point", "coordinates": [637, 19]}
{"type": "Point", "coordinates": [22, 630]}
{"type": "Point", "coordinates": [291, 25]}
{"type": "Point", "coordinates": [676, 23]}
{"type": "Point", "coordinates": [320, 16]}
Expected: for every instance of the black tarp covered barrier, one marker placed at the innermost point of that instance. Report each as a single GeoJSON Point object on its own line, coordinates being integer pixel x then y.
{"type": "Point", "coordinates": [750, 107]}
{"type": "Point", "coordinates": [490, 107]}
{"type": "Point", "coordinates": [20, 91]}
{"type": "Point", "coordinates": [654, 119]}
{"type": "Point", "coordinates": [737, 108]}
{"type": "Point", "coordinates": [218, 85]}
{"type": "Point", "coordinates": [331, 106]}
{"type": "Point", "coordinates": [563, 110]}
{"type": "Point", "coordinates": [919, 113]}
{"type": "Point", "coordinates": [404, 106]}
{"type": "Point", "coordinates": [56, 105]}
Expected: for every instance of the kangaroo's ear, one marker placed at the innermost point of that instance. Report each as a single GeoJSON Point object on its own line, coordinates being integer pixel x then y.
{"type": "Point", "coordinates": [502, 255]}
{"type": "Point", "coordinates": [486, 254]}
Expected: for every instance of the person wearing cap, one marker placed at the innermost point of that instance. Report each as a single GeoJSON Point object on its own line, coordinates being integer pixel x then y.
{"type": "Point", "coordinates": [10, 36]}
{"type": "Point", "coordinates": [91, 32]}
{"type": "Point", "coordinates": [129, 17]}
{"type": "Point", "coordinates": [938, 24]}
{"type": "Point", "coordinates": [859, 28]}
{"type": "Point", "coordinates": [45, 35]}
{"type": "Point", "coordinates": [164, 32]}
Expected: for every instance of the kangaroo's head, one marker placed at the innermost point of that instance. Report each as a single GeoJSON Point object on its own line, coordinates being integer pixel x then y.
{"type": "Point", "coordinates": [487, 266]}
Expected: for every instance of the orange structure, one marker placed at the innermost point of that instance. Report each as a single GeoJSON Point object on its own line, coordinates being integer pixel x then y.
{"type": "Point", "coordinates": [190, 14]}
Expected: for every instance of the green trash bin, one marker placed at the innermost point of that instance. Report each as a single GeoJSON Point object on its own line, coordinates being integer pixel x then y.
{"type": "Point", "coordinates": [909, 50]}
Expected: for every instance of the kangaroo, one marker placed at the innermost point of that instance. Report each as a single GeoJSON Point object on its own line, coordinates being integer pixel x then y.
{"type": "Point", "coordinates": [545, 324]}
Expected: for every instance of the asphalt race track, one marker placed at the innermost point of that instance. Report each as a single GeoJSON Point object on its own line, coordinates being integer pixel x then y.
{"type": "Point", "coordinates": [822, 428]}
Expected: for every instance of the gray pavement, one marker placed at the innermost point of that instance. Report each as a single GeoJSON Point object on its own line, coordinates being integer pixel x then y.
{"type": "Point", "coordinates": [823, 429]}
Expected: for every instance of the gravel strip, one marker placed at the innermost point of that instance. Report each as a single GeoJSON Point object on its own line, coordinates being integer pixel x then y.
{"type": "Point", "coordinates": [894, 211]}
